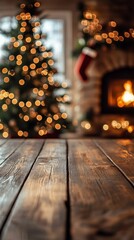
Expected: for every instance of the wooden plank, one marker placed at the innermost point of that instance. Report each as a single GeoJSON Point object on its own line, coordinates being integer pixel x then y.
{"type": "Point", "coordinates": [40, 211]}
{"type": "Point", "coordinates": [121, 153]}
{"type": "Point", "coordinates": [101, 199]}
{"type": "Point", "coordinates": [8, 148]}
{"type": "Point", "coordinates": [14, 171]}
{"type": "Point", "coordinates": [2, 141]}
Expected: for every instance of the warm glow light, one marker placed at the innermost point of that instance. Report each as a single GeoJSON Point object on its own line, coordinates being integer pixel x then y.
{"type": "Point", "coordinates": [113, 24]}
{"type": "Point", "coordinates": [118, 126]}
{"type": "Point", "coordinates": [22, 29]}
{"type": "Point", "coordinates": [127, 34]}
{"type": "Point", "coordinates": [14, 101]}
{"type": "Point", "coordinates": [28, 39]}
{"type": "Point", "coordinates": [55, 117]}
{"type": "Point", "coordinates": [25, 134]}
{"type": "Point", "coordinates": [41, 93]}
{"type": "Point", "coordinates": [20, 36]}
{"type": "Point", "coordinates": [44, 65]}
{"type": "Point", "coordinates": [6, 79]}
{"type": "Point", "coordinates": [33, 73]}
{"type": "Point", "coordinates": [19, 62]}
{"type": "Point", "coordinates": [45, 54]}
{"type": "Point", "coordinates": [28, 16]}
{"type": "Point", "coordinates": [18, 17]}
{"type": "Point", "coordinates": [125, 124]}
{"type": "Point", "coordinates": [114, 123]}
{"type": "Point", "coordinates": [11, 95]}
{"type": "Point", "coordinates": [127, 98]}
{"type": "Point", "coordinates": [38, 43]}
{"type": "Point", "coordinates": [28, 104]}
{"type": "Point", "coordinates": [64, 115]}
{"type": "Point", "coordinates": [35, 90]}
{"type": "Point", "coordinates": [86, 125]}
{"type": "Point", "coordinates": [1, 126]}
{"type": "Point", "coordinates": [64, 85]}
{"type": "Point", "coordinates": [19, 57]}
{"type": "Point", "coordinates": [5, 94]}
{"type": "Point", "coordinates": [32, 66]}
{"type": "Point", "coordinates": [23, 48]}
{"type": "Point", "coordinates": [51, 62]}
{"type": "Point", "coordinates": [22, 5]}
{"type": "Point", "coordinates": [105, 127]}
{"type": "Point", "coordinates": [4, 107]}
{"type": "Point", "coordinates": [41, 132]}
{"type": "Point", "coordinates": [36, 60]}
{"type": "Point", "coordinates": [33, 50]}
{"type": "Point", "coordinates": [26, 118]}
{"type": "Point", "coordinates": [45, 86]}
{"type": "Point", "coordinates": [37, 4]}
{"type": "Point", "coordinates": [130, 129]}
{"type": "Point", "coordinates": [21, 82]}
{"type": "Point", "coordinates": [11, 57]}
{"type": "Point", "coordinates": [39, 117]}
{"type": "Point", "coordinates": [37, 103]}
{"type": "Point", "coordinates": [37, 36]}
{"type": "Point", "coordinates": [49, 120]}
{"type": "Point", "coordinates": [23, 24]}
{"type": "Point", "coordinates": [104, 35]}
{"type": "Point", "coordinates": [20, 133]}
{"type": "Point", "coordinates": [57, 126]}
{"type": "Point", "coordinates": [25, 68]}
{"type": "Point", "coordinates": [5, 134]}
{"type": "Point", "coordinates": [108, 40]}
{"type": "Point", "coordinates": [44, 72]}
{"type": "Point", "coordinates": [21, 104]}
{"type": "Point", "coordinates": [98, 37]}
{"type": "Point", "coordinates": [4, 70]}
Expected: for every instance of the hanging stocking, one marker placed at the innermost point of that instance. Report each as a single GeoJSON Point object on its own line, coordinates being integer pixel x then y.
{"type": "Point", "coordinates": [83, 63]}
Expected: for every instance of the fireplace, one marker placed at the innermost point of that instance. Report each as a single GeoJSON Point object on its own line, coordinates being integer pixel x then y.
{"type": "Point", "coordinates": [107, 98]}
{"type": "Point", "coordinates": [118, 92]}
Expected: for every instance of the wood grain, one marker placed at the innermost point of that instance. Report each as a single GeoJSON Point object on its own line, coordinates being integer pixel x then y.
{"type": "Point", "coordinates": [14, 170]}
{"type": "Point", "coordinates": [121, 153]}
{"type": "Point", "coordinates": [8, 148]}
{"type": "Point", "coordinates": [40, 212]}
{"type": "Point", "coordinates": [102, 200]}
{"type": "Point", "coordinates": [2, 141]}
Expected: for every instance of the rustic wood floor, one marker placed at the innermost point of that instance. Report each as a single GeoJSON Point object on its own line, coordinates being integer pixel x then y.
{"type": "Point", "coordinates": [77, 189]}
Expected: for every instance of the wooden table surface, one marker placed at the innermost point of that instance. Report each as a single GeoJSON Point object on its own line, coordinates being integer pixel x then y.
{"type": "Point", "coordinates": [77, 189]}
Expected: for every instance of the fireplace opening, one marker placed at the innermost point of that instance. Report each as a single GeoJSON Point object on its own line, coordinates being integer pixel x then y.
{"type": "Point", "coordinates": [118, 92]}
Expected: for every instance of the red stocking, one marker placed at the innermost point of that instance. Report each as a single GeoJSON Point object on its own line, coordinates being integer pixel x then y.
{"type": "Point", "coordinates": [83, 63]}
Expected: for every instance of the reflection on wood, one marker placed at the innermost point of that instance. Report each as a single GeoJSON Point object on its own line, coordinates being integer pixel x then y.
{"type": "Point", "coordinates": [76, 189]}
{"type": "Point", "coordinates": [99, 194]}
{"type": "Point", "coordinates": [14, 171]}
{"type": "Point", "coordinates": [40, 210]}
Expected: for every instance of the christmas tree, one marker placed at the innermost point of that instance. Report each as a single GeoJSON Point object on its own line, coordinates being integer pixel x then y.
{"type": "Point", "coordinates": [29, 105]}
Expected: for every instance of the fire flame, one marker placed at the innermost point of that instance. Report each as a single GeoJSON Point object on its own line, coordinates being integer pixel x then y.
{"type": "Point", "coordinates": [127, 98]}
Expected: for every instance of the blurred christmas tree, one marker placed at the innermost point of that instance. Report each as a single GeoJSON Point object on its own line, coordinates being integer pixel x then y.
{"type": "Point", "coordinates": [29, 104]}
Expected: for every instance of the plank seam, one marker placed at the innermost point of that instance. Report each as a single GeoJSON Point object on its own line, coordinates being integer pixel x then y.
{"type": "Point", "coordinates": [12, 152]}
{"type": "Point", "coordinates": [68, 208]}
{"type": "Point", "coordinates": [5, 222]}
{"type": "Point", "coordinates": [116, 165]}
